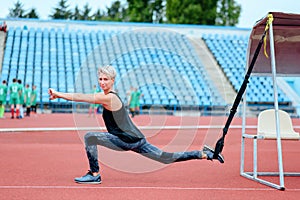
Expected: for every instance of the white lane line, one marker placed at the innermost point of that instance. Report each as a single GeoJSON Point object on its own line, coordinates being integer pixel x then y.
{"type": "Point", "coordinates": [137, 187]}
{"type": "Point", "coordinates": [103, 128]}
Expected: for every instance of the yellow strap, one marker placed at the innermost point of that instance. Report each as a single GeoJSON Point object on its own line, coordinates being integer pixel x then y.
{"type": "Point", "coordinates": [270, 20]}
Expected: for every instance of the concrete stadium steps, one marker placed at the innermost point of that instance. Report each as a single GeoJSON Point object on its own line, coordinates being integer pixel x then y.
{"type": "Point", "coordinates": [213, 70]}
{"type": "Point", "coordinates": [2, 46]}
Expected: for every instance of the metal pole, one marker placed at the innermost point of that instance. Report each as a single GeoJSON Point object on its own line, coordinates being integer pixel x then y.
{"type": "Point", "coordinates": [255, 158]}
{"type": "Point", "coordinates": [242, 164]}
{"type": "Point", "coordinates": [273, 65]}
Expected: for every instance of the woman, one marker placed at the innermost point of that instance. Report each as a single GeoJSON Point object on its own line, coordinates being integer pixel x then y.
{"type": "Point", "coordinates": [122, 133]}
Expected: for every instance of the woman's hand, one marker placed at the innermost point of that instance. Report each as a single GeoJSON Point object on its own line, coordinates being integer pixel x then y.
{"type": "Point", "coordinates": [52, 93]}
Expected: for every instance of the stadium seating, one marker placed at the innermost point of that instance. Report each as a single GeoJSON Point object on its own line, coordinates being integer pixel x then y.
{"type": "Point", "coordinates": [230, 53]}
{"type": "Point", "coordinates": [163, 65]}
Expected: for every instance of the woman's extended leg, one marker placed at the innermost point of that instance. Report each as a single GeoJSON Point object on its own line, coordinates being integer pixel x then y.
{"type": "Point", "coordinates": [153, 152]}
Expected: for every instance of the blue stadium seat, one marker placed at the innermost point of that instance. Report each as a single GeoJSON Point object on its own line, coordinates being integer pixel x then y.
{"type": "Point", "coordinates": [230, 52]}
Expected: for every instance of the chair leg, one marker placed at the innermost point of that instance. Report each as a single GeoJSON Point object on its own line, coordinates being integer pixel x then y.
{"type": "Point", "coordinates": [255, 158]}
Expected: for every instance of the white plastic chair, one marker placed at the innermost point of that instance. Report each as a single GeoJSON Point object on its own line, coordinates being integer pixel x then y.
{"type": "Point", "coordinates": [266, 126]}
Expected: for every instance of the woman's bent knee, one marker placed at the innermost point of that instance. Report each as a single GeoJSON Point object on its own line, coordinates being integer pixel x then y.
{"type": "Point", "coordinates": [90, 138]}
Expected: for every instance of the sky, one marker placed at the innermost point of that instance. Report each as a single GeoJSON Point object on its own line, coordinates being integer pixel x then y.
{"type": "Point", "coordinates": [252, 10]}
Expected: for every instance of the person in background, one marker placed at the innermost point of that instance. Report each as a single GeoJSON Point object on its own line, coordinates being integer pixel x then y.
{"type": "Point", "coordinates": [27, 96]}
{"type": "Point", "coordinates": [14, 100]}
{"type": "Point", "coordinates": [3, 94]}
{"type": "Point", "coordinates": [128, 96]}
{"type": "Point", "coordinates": [138, 95]}
{"type": "Point", "coordinates": [134, 103]}
{"type": "Point", "coordinates": [21, 98]}
{"type": "Point", "coordinates": [33, 98]}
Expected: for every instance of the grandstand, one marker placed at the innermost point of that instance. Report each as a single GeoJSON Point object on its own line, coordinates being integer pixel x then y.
{"type": "Point", "coordinates": [163, 61]}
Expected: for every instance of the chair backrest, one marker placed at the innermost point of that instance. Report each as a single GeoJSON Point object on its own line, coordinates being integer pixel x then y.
{"type": "Point", "coordinates": [266, 126]}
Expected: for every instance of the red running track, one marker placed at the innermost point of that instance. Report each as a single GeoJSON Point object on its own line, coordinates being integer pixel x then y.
{"type": "Point", "coordinates": [42, 165]}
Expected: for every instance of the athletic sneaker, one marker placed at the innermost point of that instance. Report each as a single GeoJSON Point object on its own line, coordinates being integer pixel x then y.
{"type": "Point", "coordinates": [89, 179]}
{"type": "Point", "coordinates": [210, 154]}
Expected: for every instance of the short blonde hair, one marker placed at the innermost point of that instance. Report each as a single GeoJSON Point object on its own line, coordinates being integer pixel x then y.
{"type": "Point", "coordinates": [108, 71]}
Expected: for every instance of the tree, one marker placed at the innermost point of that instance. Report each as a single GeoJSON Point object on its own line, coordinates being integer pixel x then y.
{"type": "Point", "coordinates": [76, 13]}
{"type": "Point", "coordinates": [158, 11]}
{"type": "Point", "coordinates": [86, 12]}
{"type": "Point", "coordinates": [17, 11]}
{"type": "Point", "coordinates": [116, 12]}
{"type": "Point", "coordinates": [145, 10]}
{"type": "Point", "coordinates": [187, 11]}
{"type": "Point", "coordinates": [98, 15]}
{"type": "Point", "coordinates": [209, 14]}
{"type": "Point", "coordinates": [32, 14]}
{"type": "Point", "coordinates": [139, 11]}
{"type": "Point", "coordinates": [62, 11]}
{"type": "Point", "coordinates": [229, 13]}
{"type": "Point", "coordinates": [191, 14]}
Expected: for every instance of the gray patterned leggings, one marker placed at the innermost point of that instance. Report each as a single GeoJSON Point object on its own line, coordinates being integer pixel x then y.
{"type": "Point", "coordinates": [143, 147]}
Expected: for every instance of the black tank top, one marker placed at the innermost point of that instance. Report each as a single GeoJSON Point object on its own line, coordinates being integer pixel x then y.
{"type": "Point", "coordinates": [119, 124]}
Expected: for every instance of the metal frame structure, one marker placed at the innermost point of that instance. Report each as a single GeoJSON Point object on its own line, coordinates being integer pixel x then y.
{"type": "Point", "coordinates": [255, 174]}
